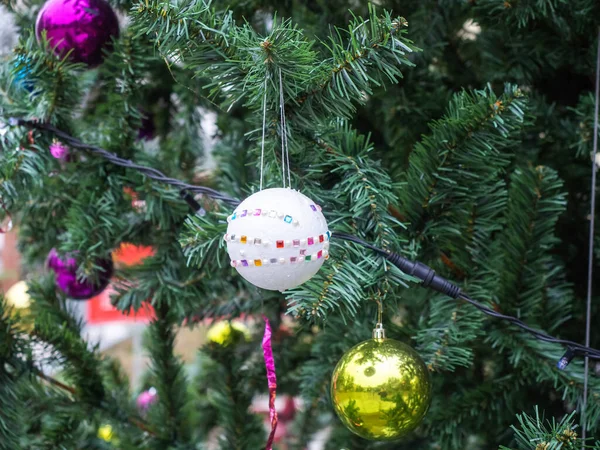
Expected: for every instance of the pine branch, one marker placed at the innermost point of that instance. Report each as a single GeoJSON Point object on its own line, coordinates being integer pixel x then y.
{"type": "Point", "coordinates": [55, 326]}
{"type": "Point", "coordinates": [55, 94]}
{"type": "Point", "coordinates": [546, 434]}
{"type": "Point", "coordinates": [463, 151]}
{"type": "Point", "coordinates": [584, 114]}
{"type": "Point", "coordinates": [168, 416]}
{"type": "Point", "coordinates": [557, 15]}
{"type": "Point", "coordinates": [452, 329]}
{"type": "Point", "coordinates": [453, 409]}
{"type": "Point", "coordinates": [12, 349]}
{"type": "Point", "coordinates": [211, 43]}
{"type": "Point", "coordinates": [367, 187]}
{"type": "Point", "coordinates": [519, 12]}
{"type": "Point", "coordinates": [523, 248]}
{"type": "Point", "coordinates": [535, 361]}
{"type": "Point", "coordinates": [202, 240]}
{"type": "Point", "coordinates": [229, 384]}
{"type": "Point", "coordinates": [367, 54]}
{"type": "Point", "coordinates": [18, 365]}
{"type": "Point", "coordinates": [338, 287]}
{"type": "Point", "coordinates": [120, 84]}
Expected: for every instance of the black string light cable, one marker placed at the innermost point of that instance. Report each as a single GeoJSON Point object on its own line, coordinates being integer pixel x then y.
{"type": "Point", "coordinates": [437, 283]}
{"type": "Point", "coordinates": [114, 159]}
{"type": "Point", "coordinates": [416, 269]}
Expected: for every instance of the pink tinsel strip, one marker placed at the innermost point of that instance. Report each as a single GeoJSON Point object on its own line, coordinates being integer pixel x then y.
{"type": "Point", "coordinates": [272, 379]}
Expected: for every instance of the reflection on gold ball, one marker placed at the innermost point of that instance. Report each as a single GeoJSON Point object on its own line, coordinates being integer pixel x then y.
{"type": "Point", "coordinates": [17, 295]}
{"type": "Point", "coordinates": [381, 389]}
{"type": "Point", "coordinates": [226, 333]}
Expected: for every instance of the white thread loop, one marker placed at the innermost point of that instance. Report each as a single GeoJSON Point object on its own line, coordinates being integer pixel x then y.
{"type": "Point", "coordinates": [264, 127]}
{"type": "Point", "coordinates": [285, 152]}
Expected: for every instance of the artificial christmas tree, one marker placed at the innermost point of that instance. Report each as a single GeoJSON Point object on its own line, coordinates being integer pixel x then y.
{"type": "Point", "coordinates": [455, 133]}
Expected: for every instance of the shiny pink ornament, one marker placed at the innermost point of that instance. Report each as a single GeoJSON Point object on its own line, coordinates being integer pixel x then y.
{"type": "Point", "coordinates": [59, 150]}
{"type": "Point", "coordinates": [83, 27]}
{"type": "Point", "coordinates": [271, 380]}
{"type": "Point", "coordinates": [146, 399]}
{"type": "Point", "coordinates": [67, 281]}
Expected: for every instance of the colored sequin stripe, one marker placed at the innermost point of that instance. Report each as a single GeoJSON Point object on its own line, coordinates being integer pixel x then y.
{"type": "Point", "coordinates": [280, 261]}
{"type": "Point", "coordinates": [265, 213]}
{"type": "Point", "coordinates": [279, 243]}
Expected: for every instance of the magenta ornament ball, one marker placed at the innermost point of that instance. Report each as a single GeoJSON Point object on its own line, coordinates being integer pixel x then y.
{"type": "Point", "coordinates": [65, 270]}
{"type": "Point", "coordinates": [83, 27]}
{"type": "Point", "coordinates": [59, 151]}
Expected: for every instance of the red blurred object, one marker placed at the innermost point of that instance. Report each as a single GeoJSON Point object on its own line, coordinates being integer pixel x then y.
{"type": "Point", "coordinates": [100, 308]}
{"type": "Point", "coordinates": [131, 255]}
{"type": "Point", "coordinates": [289, 410]}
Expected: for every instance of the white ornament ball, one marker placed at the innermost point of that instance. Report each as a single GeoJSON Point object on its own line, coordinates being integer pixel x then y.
{"type": "Point", "coordinates": [277, 239]}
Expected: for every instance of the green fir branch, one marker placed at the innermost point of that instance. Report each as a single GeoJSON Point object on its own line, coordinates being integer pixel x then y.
{"type": "Point", "coordinates": [168, 416]}
{"type": "Point", "coordinates": [366, 54]}
{"type": "Point", "coordinates": [13, 349]}
{"type": "Point", "coordinates": [56, 89]}
{"type": "Point", "coordinates": [523, 249]}
{"type": "Point", "coordinates": [541, 434]}
{"type": "Point", "coordinates": [463, 151]}
{"type": "Point", "coordinates": [228, 384]}
{"type": "Point", "coordinates": [57, 327]}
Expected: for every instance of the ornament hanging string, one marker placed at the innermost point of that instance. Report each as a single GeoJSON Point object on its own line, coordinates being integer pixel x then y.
{"type": "Point", "coordinates": [264, 127]}
{"type": "Point", "coordinates": [285, 154]}
{"type": "Point", "coordinates": [588, 316]}
{"type": "Point", "coordinates": [271, 379]}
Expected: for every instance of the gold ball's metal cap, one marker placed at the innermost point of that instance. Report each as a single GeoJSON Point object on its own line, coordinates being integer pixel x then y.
{"type": "Point", "coordinates": [379, 332]}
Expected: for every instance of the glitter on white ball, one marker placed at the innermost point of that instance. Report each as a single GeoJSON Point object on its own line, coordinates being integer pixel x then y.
{"type": "Point", "coordinates": [289, 240]}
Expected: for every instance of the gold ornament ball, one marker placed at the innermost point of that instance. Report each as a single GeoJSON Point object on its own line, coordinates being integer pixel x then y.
{"type": "Point", "coordinates": [105, 432]}
{"type": "Point", "coordinates": [381, 389]}
{"type": "Point", "coordinates": [226, 333]}
{"type": "Point", "coordinates": [17, 296]}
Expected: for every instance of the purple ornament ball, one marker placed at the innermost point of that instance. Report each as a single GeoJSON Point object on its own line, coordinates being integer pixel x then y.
{"type": "Point", "coordinates": [59, 151]}
{"type": "Point", "coordinates": [83, 27]}
{"type": "Point", "coordinates": [66, 277]}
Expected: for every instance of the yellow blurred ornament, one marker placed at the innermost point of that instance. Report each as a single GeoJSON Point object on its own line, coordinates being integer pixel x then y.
{"type": "Point", "coordinates": [226, 333]}
{"type": "Point", "coordinates": [105, 432]}
{"type": "Point", "coordinates": [380, 388]}
{"type": "Point", "coordinates": [17, 295]}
